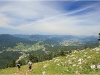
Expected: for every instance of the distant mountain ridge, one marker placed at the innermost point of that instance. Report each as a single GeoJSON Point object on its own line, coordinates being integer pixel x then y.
{"type": "Point", "coordinates": [7, 40]}
{"type": "Point", "coordinates": [43, 37]}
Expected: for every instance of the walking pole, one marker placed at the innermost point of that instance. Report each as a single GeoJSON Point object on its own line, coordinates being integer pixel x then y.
{"type": "Point", "coordinates": [99, 39]}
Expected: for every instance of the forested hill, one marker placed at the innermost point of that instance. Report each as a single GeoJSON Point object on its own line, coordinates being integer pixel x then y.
{"type": "Point", "coordinates": [7, 40]}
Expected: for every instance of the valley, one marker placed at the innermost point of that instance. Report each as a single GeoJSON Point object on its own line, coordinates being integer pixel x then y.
{"type": "Point", "coordinates": [39, 48]}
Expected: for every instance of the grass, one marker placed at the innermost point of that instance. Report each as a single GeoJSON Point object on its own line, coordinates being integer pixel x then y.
{"type": "Point", "coordinates": [77, 62]}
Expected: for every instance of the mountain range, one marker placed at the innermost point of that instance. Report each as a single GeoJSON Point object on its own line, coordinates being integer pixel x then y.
{"type": "Point", "coordinates": [7, 40]}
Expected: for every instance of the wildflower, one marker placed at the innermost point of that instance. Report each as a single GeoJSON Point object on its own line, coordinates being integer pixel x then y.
{"type": "Point", "coordinates": [67, 70]}
{"type": "Point", "coordinates": [80, 61]}
{"type": "Point", "coordinates": [50, 60]}
{"type": "Point", "coordinates": [63, 63]}
{"type": "Point", "coordinates": [76, 72]}
{"type": "Point", "coordinates": [89, 57]}
{"type": "Point", "coordinates": [56, 60]}
{"type": "Point", "coordinates": [43, 72]}
{"type": "Point", "coordinates": [74, 65]}
{"type": "Point", "coordinates": [74, 58]}
{"type": "Point", "coordinates": [85, 53]}
{"type": "Point", "coordinates": [97, 49]}
{"type": "Point", "coordinates": [45, 65]}
{"type": "Point", "coordinates": [69, 61]}
{"type": "Point", "coordinates": [98, 66]}
{"type": "Point", "coordinates": [75, 51]}
{"type": "Point", "coordinates": [72, 55]}
{"type": "Point", "coordinates": [92, 66]}
{"type": "Point", "coordinates": [66, 57]}
{"type": "Point", "coordinates": [26, 73]}
{"type": "Point", "coordinates": [80, 67]}
{"type": "Point", "coordinates": [58, 64]}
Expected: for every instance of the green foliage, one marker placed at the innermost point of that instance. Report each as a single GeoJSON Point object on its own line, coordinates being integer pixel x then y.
{"type": "Point", "coordinates": [33, 58]}
{"type": "Point", "coordinates": [11, 64]}
{"type": "Point", "coordinates": [7, 58]}
{"type": "Point", "coordinates": [46, 56]}
{"type": "Point", "coordinates": [62, 53]}
{"type": "Point", "coordinates": [26, 48]}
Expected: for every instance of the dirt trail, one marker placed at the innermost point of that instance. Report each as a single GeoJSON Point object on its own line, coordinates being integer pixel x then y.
{"type": "Point", "coordinates": [22, 56]}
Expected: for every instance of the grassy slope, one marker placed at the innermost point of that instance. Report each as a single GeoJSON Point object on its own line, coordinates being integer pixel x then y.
{"type": "Point", "coordinates": [69, 64]}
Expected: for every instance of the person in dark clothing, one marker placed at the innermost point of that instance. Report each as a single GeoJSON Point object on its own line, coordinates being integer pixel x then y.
{"type": "Point", "coordinates": [18, 66]}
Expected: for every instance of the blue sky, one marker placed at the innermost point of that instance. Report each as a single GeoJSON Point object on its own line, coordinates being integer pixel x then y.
{"type": "Point", "coordinates": [73, 17]}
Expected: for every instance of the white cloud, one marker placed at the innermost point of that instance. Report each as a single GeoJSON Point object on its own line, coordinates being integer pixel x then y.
{"type": "Point", "coordinates": [4, 21]}
{"type": "Point", "coordinates": [46, 20]}
{"type": "Point", "coordinates": [28, 9]}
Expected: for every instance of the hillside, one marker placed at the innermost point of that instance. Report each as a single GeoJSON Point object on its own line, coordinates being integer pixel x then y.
{"type": "Point", "coordinates": [7, 41]}
{"type": "Point", "coordinates": [77, 62]}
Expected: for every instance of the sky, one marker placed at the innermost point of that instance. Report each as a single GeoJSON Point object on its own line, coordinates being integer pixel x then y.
{"type": "Point", "coordinates": [50, 17]}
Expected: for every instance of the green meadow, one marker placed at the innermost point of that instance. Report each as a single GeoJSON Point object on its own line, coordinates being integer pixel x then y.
{"type": "Point", "coordinates": [85, 61]}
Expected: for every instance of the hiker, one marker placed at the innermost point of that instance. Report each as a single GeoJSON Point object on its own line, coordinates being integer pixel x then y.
{"type": "Point", "coordinates": [18, 66]}
{"type": "Point", "coordinates": [29, 65]}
